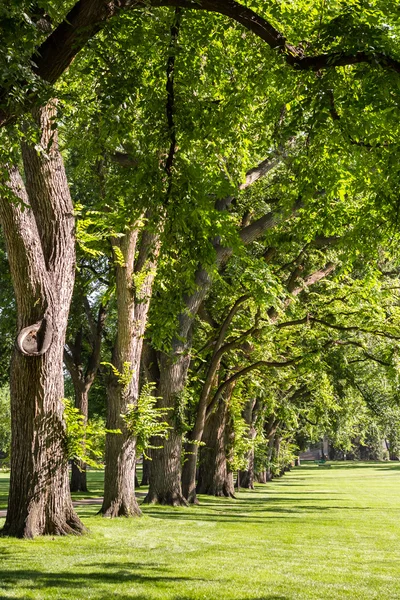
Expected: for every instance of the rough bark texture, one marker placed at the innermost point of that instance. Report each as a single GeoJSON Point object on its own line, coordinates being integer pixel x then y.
{"type": "Point", "coordinates": [40, 245]}
{"type": "Point", "coordinates": [165, 475]}
{"type": "Point", "coordinates": [132, 308]}
{"type": "Point", "coordinates": [214, 476]}
{"type": "Point", "coordinates": [261, 477]}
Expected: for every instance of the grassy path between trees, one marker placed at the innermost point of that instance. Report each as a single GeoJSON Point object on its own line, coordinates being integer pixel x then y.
{"type": "Point", "coordinates": [315, 534]}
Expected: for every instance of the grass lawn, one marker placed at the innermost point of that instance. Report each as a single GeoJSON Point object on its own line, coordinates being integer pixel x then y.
{"type": "Point", "coordinates": [315, 534]}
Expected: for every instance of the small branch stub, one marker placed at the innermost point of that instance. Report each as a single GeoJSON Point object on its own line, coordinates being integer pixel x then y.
{"type": "Point", "coordinates": [35, 340]}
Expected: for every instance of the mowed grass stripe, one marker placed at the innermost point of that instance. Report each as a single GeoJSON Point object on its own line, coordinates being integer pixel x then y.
{"type": "Point", "coordinates": [314, 534]}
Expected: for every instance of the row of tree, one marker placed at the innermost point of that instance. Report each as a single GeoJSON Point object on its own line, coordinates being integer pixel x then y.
{"type": "Point", "coordinates": [234, 199]}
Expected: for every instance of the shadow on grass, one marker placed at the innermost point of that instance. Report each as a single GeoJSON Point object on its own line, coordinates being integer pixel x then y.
{"type": "Point", "coordinates": [109, 574]}
{"type": "Point", "coordinates": [123, 573]}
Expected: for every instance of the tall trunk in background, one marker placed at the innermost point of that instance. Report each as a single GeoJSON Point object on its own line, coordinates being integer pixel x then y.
{"type": "Point", "coordinates": [215, 478]}
{"type": "Point", "coordinates": [83, 377]}
{"type": "Point", "coordinates": [146, 465]}
{"type": "Point", "coordinates": [133, 300]}
{"type": "Point", "coordinates": [39, 233]}
{"type": "Point", "coordinates": [270, 429]}
{"type": "Point", "coordinates": [246, 477]}
{"type": "Point", "coordinates": [195, 436]}
{"type": "Point", "coordinates": [78, 481]}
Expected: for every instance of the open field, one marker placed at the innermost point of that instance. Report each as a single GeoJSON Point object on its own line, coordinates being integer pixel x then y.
{"type": "Point", "coordinates": [315, 534]}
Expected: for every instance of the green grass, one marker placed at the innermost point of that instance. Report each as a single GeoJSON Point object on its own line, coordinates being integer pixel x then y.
{"type": "Point", "coordinates": [315, 534]}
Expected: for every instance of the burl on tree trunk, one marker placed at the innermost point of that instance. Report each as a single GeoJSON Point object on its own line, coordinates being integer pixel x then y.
{"type": "Point", "coordinates": [41, 250]}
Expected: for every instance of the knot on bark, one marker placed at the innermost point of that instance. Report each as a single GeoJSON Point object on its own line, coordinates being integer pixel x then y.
{"type": "Point", "coordinates": [36, 339]}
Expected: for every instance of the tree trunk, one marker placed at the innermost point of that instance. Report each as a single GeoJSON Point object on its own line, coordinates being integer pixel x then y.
{"type": "Point", "coordinates": [41, 251]}
{"type": "Point", "coordinates": [261, 477]}
{"type": "Point", "coordinates": [78, 470]}
{"type": "Point", "coordinates": [189, 468]}
{"type": "Point", "coordinates": [214, 477]}
{"type": "Point", "coordinates": [195, 436]}
{"type": "Point", "coordinates": [165, 475]}
{"type": "Point", "coordinates": [246, 478]}
{"type": "Point", "coordinates": [119, 477]}
{"type": "Point", "coordinates": [83, 379]}
{"type": "Point", "coordinates": [133, 303]}
{"type": "Point", "coordinates": [146, 472]}
{"type": "Point", "coordinates": [270, 454]}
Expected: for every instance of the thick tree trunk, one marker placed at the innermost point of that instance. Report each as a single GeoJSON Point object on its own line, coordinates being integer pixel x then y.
{"type": "Point", "coordinates": [165, 475]}
{"type": "Point", "coordinates": [119, 478]}
{"type": "Point", "coordinates": [189, 468]}
{"type": "Point", "coordinates": [78, 481]}
{"type": "Point", "coordinates": [214, 476]}
{"type": "Point", "coordinates": [247, 476]}
{"type": "Point", "coordinates": [40, 244]}
{"type": "Point", "coordinates": [270, 455]}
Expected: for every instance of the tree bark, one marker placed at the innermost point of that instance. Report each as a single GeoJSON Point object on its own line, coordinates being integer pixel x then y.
{"type": "Point", "coordinates": [41, 251]}
{"type": "Point", "coordinates": [132, 307]}
{"type": "Point", "coordinates": [215, 478]}
{"type": "Point", "coordinates": [165, 475]}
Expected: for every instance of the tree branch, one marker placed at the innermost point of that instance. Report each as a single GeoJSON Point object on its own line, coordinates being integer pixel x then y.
{"type": "Point", "coordinates": [53, 57]}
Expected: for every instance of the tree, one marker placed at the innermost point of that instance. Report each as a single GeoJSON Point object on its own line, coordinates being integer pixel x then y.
{"type": "Point", "coordinates": [335, 39]}
{"type": "Point", "coordinates": [82, 361]}
{"type": "Point", "coordinates": [38, 225]}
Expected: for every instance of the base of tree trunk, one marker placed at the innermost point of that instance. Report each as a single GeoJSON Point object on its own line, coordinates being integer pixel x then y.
{"type": "Point", "coordinates": [261, 477]}
{"type": "Point", "coordinates": [246, 480]}
{"type": "Point", "coordinates": [31, 526]}
{"type": "Point", "coordinates": [192, 498]}
{"type": "Point", "coordinates": [220, 491]}
{"type": "Point", "coordinates": [169, 499]}
{"type": "Point", "coordinates": [146, 466]}
{"type": "Point", "coordinates": [120, 509]}
{"type": "Point", "coordinates": [78, 478]}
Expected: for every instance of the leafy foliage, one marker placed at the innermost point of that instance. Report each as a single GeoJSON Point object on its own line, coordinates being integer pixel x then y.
{"type": "Point", "coordinates": [84, 442]}
{"type": "Point", "coordinates": [144, 420]}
